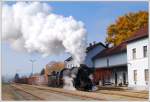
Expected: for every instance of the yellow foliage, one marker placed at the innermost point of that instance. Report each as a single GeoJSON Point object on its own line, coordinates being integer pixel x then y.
{"type": "Point", "coordinates": [125, 26]}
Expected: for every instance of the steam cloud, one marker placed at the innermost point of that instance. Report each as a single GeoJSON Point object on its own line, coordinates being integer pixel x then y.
{"type": "Point", "coordinates": [32, 27]}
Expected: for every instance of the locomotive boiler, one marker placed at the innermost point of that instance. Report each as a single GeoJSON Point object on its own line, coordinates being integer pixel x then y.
{"type": "Point", "coordinates": [82, 78]}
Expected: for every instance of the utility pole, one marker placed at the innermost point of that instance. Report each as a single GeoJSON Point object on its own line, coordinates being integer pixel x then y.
{"type": "Point", "coordinates": [32, 62]}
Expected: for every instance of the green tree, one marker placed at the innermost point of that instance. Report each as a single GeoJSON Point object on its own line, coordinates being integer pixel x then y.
{"type": "Point", "coordinates": [16, 76]}
{"type": "Point", "coordinates": [125, 26]}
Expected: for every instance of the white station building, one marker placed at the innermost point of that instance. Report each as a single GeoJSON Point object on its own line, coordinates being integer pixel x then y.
{"type": "Point", "coordinates": [125, 64]}
{"type": "Point", "coordinates": [137, 58]}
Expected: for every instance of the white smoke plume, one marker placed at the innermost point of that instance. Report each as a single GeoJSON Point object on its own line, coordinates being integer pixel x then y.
{"type": "Point", "coordinates": [32, 27]}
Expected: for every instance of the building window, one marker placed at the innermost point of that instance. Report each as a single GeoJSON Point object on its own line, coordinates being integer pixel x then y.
{"type": "Point", "coordinates": [134, 53]}
{"type": "Point", "coordinates": [146, 75]}
{"type": "Point", "coordinates": [135, 75]}
{"type": "Point", "coordinates": [144, 51]}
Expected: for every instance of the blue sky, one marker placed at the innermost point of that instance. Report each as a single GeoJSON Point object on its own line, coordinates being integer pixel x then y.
{"type": "Point", "coordinates": [96, 16]}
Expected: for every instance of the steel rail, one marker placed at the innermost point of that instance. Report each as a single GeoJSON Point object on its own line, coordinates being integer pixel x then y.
{"type": "Point", "coordinates": [66, 93]}
{"type": "Point", "coordinates": [27, 92]}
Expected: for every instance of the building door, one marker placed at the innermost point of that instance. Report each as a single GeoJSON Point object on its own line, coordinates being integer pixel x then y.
{"type": "Point", "coordinates": [124, 78]}
{"type": "Point", "coordinates": [116, 79]}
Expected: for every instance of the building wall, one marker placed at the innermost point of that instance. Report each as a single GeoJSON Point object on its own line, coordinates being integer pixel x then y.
{"type": "Point", "coordinates": [88, 59]}
{"type": "Point", "coordinates": [117, 64]}
{"type": "Point", "coordinates": [114, 60]}
{"type": "Point", "coordinates": [119, 77]}
{"type": "Point", "coordinates": [139, 64]}
{"type": "Point", "coordinates": [114, 75]}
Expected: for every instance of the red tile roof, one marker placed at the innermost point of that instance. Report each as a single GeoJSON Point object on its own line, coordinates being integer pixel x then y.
{"type": "Point", "coordinates": [110, 51]}
{"type": "Point", "coordinates": [141, 33]}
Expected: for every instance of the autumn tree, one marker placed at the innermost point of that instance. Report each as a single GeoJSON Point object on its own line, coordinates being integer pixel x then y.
{"type": "Point", "coordinates": [125, 26]}
{"type": "Point", "coordinates": [54, 66]}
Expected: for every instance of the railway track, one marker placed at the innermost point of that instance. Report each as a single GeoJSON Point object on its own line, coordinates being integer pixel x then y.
{"type": "Point", "coordinates": [66, 92]}
{"type": "Point", "coordinates": [103, 95]}
{"type": "Point", "coordinates": [42, 91]}
{"type": "Point", "coordinates": [36, 96]}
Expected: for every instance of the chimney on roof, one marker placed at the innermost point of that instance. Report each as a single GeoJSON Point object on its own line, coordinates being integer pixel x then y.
{"type": "Point", "coordinates": [94, 42]}
{"type": "Point", "coordinates": [107, 45]}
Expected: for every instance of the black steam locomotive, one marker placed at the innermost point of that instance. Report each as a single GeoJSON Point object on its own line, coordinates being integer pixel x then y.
{"type": "Point", "coordinates": [81, 77]}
